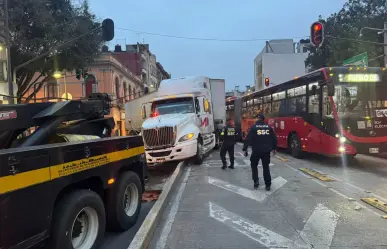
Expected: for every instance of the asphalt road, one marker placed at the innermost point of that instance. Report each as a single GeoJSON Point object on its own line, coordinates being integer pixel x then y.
{"type": "Point", "coordinates": [158, 175]}
{"type": "Point", "coordinates": [212, 208]}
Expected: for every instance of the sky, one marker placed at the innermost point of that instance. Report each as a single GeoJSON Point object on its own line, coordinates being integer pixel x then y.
{"type": "Point", "coordinates": [223, 20]}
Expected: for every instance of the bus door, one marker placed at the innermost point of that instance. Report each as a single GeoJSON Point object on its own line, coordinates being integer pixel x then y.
{"type": "Point", "coordinates": [313, 124]}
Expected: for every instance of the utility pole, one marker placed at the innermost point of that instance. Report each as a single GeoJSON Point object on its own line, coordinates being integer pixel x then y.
{"type": "Point", "coordinates": [385, 42]}
{"type": "Point", "coordinates": [8, 49]}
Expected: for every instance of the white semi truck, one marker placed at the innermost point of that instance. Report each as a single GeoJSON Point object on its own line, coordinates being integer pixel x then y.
{"type": "Point", "coordinates": [184, 120]}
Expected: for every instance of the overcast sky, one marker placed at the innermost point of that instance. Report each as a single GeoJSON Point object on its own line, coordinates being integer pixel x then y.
{"type": "Point", "coordinates": [224, 20]}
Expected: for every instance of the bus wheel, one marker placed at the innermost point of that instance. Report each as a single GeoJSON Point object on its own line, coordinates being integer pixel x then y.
{"type": "Point", "coordinates": [295, 146]}
{"type": "Point", "coordinates": [78, 221]}
{"type": "Point", "coordinates": [124, 202]}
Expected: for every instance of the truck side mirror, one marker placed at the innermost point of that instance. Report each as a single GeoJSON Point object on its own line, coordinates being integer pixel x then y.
{"type": "Point", "coordinates": [197, 106]}
{"type": "Point", "coordinates": [143, 112]}
{"type": "Point", "coordinates": [331, 89]}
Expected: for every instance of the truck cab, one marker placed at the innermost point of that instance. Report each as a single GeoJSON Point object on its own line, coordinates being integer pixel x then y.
{"type": "Point", "coordinates": [179, 123]}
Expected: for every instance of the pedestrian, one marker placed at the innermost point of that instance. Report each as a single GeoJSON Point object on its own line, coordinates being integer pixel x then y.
{"type": "Point", "coordinates": [263, 140]}
{"type": "Point", "coordinates": [227, 137]}
{"type": "Point", "coordinates": [146, 89]}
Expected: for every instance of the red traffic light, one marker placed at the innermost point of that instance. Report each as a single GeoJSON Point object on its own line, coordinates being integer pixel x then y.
{"type": "Point", "coordinates": [317, 34]}
{"type": "Point", "coordinates": [317, 27]}
{"type": "Point", "coordinates": [267, 81]}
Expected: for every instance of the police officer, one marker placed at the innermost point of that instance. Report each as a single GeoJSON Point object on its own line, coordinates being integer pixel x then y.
{"type": "Point", "coordinates": [227, 136]}
{"type": "Point", "coordinates": [263, 140]}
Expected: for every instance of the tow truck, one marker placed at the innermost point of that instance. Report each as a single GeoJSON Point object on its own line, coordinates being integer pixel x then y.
{"type": "Point", "coordinates": [64, 183]}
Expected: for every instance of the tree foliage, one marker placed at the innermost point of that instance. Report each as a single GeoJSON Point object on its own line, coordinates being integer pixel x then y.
{"type": "Point", "coordinates": [347, 23]}
{"type": "Point", "coordinates": [38, 25]}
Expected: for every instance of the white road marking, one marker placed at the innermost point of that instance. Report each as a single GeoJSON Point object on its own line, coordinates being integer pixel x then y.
{"type": "Point", "coordinates": [320, 228]}
{"type": "Point", "coordinates": [256, 195]}
{"type": "Point", "coordinates": [162, 241]}
{"type": "Point", "coordinates": [247, 161]}
{"type": "Point", "coordinates": [254, 231]}
{"type": "Point", "coordinates": [317, 233]}
{"type": "Point", "coordinates": [334, 191]}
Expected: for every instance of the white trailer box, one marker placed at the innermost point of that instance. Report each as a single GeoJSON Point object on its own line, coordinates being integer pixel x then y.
{"type": "Point", "coordinates": [218, 93]}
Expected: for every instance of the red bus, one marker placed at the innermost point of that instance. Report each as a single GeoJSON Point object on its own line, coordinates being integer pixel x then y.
{"type": "Point", "coordinates": [332, 111]}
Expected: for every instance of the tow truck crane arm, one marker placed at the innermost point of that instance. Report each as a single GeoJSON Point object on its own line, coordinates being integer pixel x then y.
{"type": "Point", "coordinates": [84, 117]}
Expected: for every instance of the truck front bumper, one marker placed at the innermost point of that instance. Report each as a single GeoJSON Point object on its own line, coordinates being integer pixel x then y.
{"type": "Point", "coordinates": [179, 152]}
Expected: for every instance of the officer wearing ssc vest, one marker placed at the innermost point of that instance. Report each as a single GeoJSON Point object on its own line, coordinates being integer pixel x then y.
{"type": "Point", "coordinates": [263, 140]}
{"type": "Point", "coordinates": [227, 136]}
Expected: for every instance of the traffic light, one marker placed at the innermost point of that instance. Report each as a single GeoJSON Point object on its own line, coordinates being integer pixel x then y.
{"type": "Point", "coordinates": [85, 74]}
{"type": "Point", "coordinates": [78, 73]}
{"type": "Point", "coordinates": [107, 30]}
{"type": "Point", "coordinates": [267, 81]}
{"type": "Point", "coordinates": [317, 34]}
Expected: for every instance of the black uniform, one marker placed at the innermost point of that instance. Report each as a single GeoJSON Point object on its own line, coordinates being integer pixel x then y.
{"type": "Point", "coordinates": [263, 140]}
{"type": "Point", "coordinates": [228, 137]}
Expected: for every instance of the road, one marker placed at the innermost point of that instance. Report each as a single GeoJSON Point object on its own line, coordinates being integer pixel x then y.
{"type": "Point", "coordinates": [212, 208]}
{"type": "Point", "coordinates": [157, 177]}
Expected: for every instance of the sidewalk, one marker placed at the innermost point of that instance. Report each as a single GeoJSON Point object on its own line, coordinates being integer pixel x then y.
{"type": "Point", "coordinates": [212, 208]}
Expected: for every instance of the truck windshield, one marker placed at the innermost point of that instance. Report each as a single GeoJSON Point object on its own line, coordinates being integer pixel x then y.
{"type": "Point", "coordinates": [173, 106]}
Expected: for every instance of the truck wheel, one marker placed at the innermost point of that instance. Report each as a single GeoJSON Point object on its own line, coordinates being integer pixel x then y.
{"type": "Point", "coordinates": [295, 146]}
{"type": "Point", "coordinates": [78, 221]}
{"type": "Point", "coordinates": [198, 158]}
{"type": "Point", "coordinates": [217, 143]}
{"type": "Point", "coordinates": [124, 202]}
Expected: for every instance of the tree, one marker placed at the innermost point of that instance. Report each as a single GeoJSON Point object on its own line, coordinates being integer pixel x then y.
{"type": "Point", "coordinates": [347, 23]}
{"type": "Point", "coordinates": [38, 25]}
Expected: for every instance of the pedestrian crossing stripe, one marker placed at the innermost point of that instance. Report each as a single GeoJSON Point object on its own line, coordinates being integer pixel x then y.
{"type": "Point", "coordinates": [218, 163]}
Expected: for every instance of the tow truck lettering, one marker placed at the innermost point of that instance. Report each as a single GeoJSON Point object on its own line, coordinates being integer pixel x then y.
{"type": "Point", "coordinates": [8, 115]}
{"type": "Point", "coordinates": [33, 177]}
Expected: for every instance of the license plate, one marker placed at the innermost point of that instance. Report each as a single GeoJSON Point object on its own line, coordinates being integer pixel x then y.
{"type": "Point", "coordinates": [374, 150]}
{"type": "Point", "coordinates": [160, 160]}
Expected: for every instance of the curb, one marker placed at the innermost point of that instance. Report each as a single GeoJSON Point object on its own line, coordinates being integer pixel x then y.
{"type": "Point", "coordinates": [144, 235]}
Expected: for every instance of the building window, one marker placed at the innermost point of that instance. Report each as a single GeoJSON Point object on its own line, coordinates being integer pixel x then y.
{"type": "Point", "coordinates": [130, 92]}
{"type": "Point", "coordinates": [118, 89]}
{"type": "Point", "coordinates": [52, 89]}
{"type": "Point", "coordinates": [91, 85]}
{"type": "Point", "coordinates": [125, 91]}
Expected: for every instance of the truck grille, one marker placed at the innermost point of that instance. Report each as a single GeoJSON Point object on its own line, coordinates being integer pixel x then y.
{"type": "Point", "coordinates": [158, 137]}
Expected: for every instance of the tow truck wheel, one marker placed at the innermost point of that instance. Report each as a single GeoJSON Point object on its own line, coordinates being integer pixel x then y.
{"type": "Point", "coordinates": [124, 202]}
{"type": "Point", "coordinates": [78, 222]}
{"type": "Point", "coordinates": [198, 158]}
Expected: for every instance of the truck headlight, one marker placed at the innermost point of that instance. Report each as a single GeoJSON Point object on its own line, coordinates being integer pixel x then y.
{"type": "Point", "coordinates": [186, 137]}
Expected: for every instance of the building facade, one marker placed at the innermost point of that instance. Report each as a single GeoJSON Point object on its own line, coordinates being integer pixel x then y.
{"type": "Point", "coordinates": [279, 61]}
{"type": "Point", "coordinates": [152, 72]}
{"type": "Point", "coordinates": [106, 75]}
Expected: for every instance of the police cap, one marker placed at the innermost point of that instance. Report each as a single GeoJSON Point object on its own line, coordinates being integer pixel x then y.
{"type": "Point", "coordinates": [261, 116]}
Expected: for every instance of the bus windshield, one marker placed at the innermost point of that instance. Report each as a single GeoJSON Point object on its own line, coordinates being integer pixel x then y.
{"type": "Point", "coordinates": [173, 106]}
{"type": "Point", "coordinates": [361, 100]}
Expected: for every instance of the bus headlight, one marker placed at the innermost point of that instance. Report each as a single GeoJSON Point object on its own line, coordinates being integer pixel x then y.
{"type": "Point", "coordinates": [341, 149]}
{"type": "Point", "coordinates": [343, 139]}
{"type": "Point", "coordinates": [186, 137]}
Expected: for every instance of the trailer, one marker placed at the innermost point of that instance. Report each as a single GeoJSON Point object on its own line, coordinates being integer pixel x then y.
{"type": "Point", "coordinates": [63, 179]}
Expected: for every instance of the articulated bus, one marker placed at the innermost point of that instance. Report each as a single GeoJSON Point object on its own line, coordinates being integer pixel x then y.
{"type": "Point", "coordinates": [332, 111]}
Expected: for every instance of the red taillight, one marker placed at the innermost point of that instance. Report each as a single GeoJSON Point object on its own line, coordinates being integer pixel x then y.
{"type": "Point", "coordinates": [155, 114]}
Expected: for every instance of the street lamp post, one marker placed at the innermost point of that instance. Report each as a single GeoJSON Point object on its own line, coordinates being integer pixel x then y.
{"type": "Point", "coordinates": [8, 50]}
{"type": "Point", "coordinates": [58, 75]}
{"type": "Point", "coordinates": [381, 31]}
